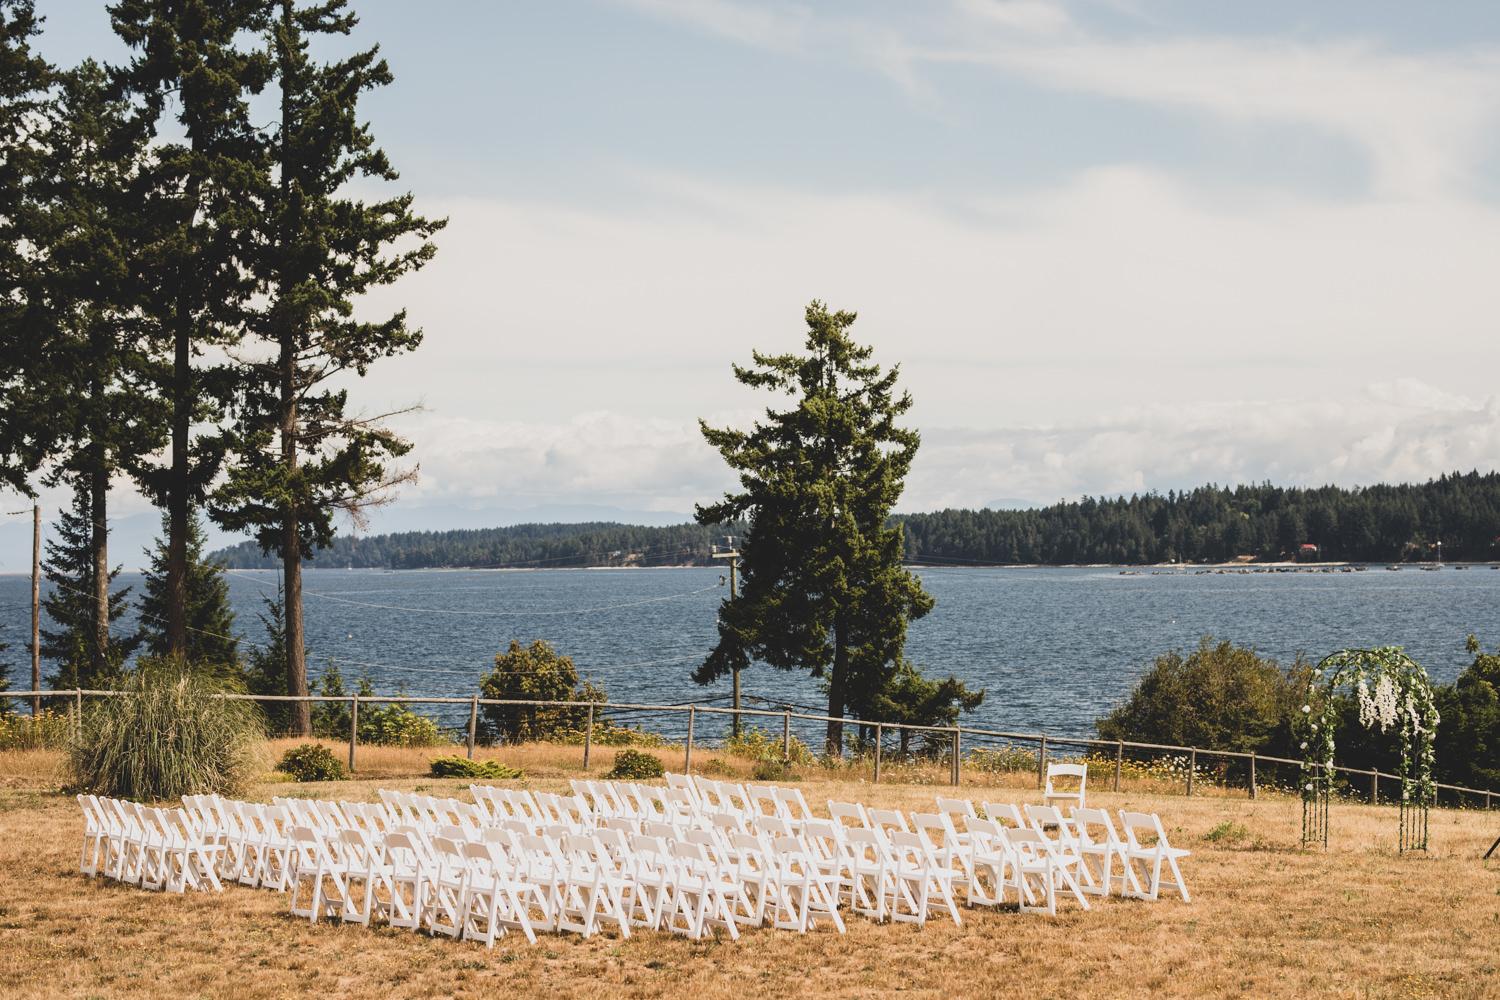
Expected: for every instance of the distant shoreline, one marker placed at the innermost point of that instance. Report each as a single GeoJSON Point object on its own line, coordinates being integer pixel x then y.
{"type": "Point", "coordinates": [1282, 566]}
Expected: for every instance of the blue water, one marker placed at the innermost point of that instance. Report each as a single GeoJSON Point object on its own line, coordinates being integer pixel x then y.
{"type": "Point", "coordinates": [1053, 647]}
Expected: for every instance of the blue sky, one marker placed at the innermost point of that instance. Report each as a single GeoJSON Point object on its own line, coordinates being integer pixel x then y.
{"type": "Point", "coordinates": [1115, 245]}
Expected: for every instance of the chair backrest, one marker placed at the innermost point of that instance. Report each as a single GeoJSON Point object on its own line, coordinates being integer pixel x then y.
{"type": "Point", "coordinates": [824, 839]}
{"type": "Point", "coordinates": [848, 815]}
{"type": "Point", "coordinates": [1094, 827]}
{"type": "Point", "coordinates": [886, 821]}
{"type": "Point", "coordinates": [656, 828]}
{"type": "Point", "coordinates": [791, 800]}
{"type": "Point", "coordinates": [771, 826]}
{"type": "Point", "coordinates": [1143, 831]}
{"type": "Point", "coordinates": [865, 845]}
{"type": "Point", "coordinates": [935, 829]}
{"type": "Point", "coordinates": [1079, 771]}
{"type": "Point", "coordinates": [1005, 813]}
{"type": "Point", "coordinates": [763, 801]}
{"type": "Point", "coordinates": [955, 807]}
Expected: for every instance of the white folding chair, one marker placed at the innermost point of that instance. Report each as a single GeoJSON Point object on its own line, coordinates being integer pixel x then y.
{"type": "Point", "coordinates": [993, 863]}
{"type": "Point", "coordinates": [315, 865]}
{"type": "Point", "coordinates": [803, 889]}
{"type": "Point", "coordinates": [1041, 870]}
{"type": "Point", "coordinates": [1053, 795]}
{"type": "Point", "coordinates": [1146, 842]}
{"type": "Point", "coordinates": [922, 881]}
{"type": "Point", "coordinates": [1098, 847]}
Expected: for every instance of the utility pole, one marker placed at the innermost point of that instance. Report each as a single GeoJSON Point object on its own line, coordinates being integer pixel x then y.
{"type": "Point", "coordinates": [36, 606]}
{"type": "Point", "coordinates": [733, 555]}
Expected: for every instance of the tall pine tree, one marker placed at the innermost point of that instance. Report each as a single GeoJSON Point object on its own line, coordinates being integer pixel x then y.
{"type": "Point", "coordinates": [823, 587]}
{"type": "Point", "coordinates": [27, 432]}
{"type": "Point", "coordinates": [70, 641]}
{"type": "Point", "coordinates": [210, 619]}
{"type": "Point", "coordinates": [87, 234]}
{"type": "Point", "coordinates": [190, 63]}
{"type": "Point", "coordinates": [301, 455]}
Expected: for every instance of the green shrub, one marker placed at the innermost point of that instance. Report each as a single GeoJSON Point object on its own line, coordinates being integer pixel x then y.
{"type": "Point", "coordinates": [636, 766]}
{"type": "Point", "coordinates": [772, 770]}
{"type": "Point", "coordinates": [1220, 696]}
{"type": "Point", "coordinates": [713, 767]}
{"type": "Point", "coordinates": [534, 673]}
{"type": "Point", "coordinates": [312, 762]}
{"type": "Point", "coordinates": [48, 731]}
{"type": "Point", "coordinates": [757, 744]}
{"type": "Point", "coordinates": [463, 767]}
{"type": "Point", "coordinates": [167, 736]}
{"type": "Point", "coordinates": [396, 725]}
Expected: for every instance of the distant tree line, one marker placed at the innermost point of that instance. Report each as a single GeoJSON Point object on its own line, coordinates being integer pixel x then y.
{"type": "Point", "coordinates": [1217, 524]}
{"type": "Point", "coordinates": [1208, 524]}
{"type": "Point", "coordinates": [524, 546]}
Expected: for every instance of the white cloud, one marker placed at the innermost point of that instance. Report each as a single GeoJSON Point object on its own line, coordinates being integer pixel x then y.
{"type": "Point", "coordinates": [1423, 120]}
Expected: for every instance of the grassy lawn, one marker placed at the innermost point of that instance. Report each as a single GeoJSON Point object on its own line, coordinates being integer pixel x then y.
{"type": "Point", "coordinates": [1267, 918]}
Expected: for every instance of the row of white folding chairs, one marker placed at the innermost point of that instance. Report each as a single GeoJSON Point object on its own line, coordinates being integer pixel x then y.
{"type": "Point", "coordinates": [427, 812]}
{"type": "Point", "coordinates": [1090, 835]}
{"type": "Point", "coordinates": [154, 848]}
{"type": "Point", "coordinates": [665, 878]}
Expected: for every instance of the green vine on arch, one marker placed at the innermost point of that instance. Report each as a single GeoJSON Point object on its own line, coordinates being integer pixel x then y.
{"type": "Point", "coordinates": [1391, 690]}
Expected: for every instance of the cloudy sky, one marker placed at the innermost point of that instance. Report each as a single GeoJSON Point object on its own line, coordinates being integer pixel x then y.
{"type": "Point", "coordinates": [1114, 244]}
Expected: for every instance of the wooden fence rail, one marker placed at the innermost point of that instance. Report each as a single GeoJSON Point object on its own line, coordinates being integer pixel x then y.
{"type": "Point", "coordinates": [1047, 744]}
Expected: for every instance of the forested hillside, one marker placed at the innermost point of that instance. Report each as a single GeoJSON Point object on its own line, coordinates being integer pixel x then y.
{"type": "Point", "coordinates": [1208, 524]}
{"type": "Point", "coordinates": [522, 545]}
{"type": "Point", "coordinates": [1212, 524]}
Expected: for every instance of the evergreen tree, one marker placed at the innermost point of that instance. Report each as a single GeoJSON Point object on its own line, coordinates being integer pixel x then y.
{"type": "Point", "coordinates": [199, 195]}
{"type": "Point", "coordinates": [27, 431]}
{"type": "Point", "coordinates": [301, 456]}
{"type": "Point", "coordinates": [210, 619]}
{"type": "Point", "coordinates": [265, 665]}
{"type": "Point", "coordinates": [823, 585]}
{"type": "Point", "coordinates": [69, 606]}
{"type": "Point", "coordinates": [914, 700]}
{"type": "Point", "coordinates": [86, 231]}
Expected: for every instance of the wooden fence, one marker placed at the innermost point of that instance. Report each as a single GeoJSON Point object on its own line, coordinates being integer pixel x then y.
{"type": "Point", "coordinates": [953, 736]}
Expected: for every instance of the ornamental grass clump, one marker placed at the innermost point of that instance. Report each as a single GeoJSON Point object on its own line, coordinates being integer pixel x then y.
{"type": "Point", "coordinates": [167, 736]}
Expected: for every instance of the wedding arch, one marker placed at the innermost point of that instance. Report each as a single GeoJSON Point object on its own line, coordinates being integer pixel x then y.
{"type": "Point", "coordinates": [1392, 690]}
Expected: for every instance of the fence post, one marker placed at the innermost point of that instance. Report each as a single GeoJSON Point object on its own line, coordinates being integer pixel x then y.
{"type": "Point", "coordinates": [353, 728]}
{"type": "Point", "coordinates": [957, 750]}
{"type": "Point", "coordinates": [687, 757]}
{"type": "Point", "coordinates": [1192, 768]}
{"type": "Point", "coordinates": [588, 738]}
{"type": "Point", "coordinates": [78, 716]}
{"type": "Point", "coordinates": [1374, 786]}
{"type": "Point", "coordinates": [473, 724]}
{"type": "Point", "coordinates": [786, 740]}
{"type": "Point", "coordinates": [1253, 789]}
{"type": "Point", "coordinates": [1041, 761]}
{"type": "Point", "coordinates": [879, 740]}
{"type": "Point", "coordinates": [1119, 758]}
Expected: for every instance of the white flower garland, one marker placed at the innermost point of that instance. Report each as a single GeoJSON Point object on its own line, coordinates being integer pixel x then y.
{"type": "Point", "coordinates": [1401, 696]}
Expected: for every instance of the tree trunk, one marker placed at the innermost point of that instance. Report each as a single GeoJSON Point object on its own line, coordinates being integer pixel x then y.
{"type": "Point", "coordinates": [99, 545]}
{"type": "Point", "coordinates": [834, 742]}
{"type": "Point", "coordinates": [291, 549]}
{"type": "Point", "coordinates": [179, 481]}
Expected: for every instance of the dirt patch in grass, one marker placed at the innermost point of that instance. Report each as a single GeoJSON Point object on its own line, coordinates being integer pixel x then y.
{"type": "Point", "coordinates": [1268, 919]}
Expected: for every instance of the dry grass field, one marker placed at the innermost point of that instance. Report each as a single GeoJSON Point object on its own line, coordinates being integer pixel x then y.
{"type": "Point", "coordinates": [1268, 919]}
